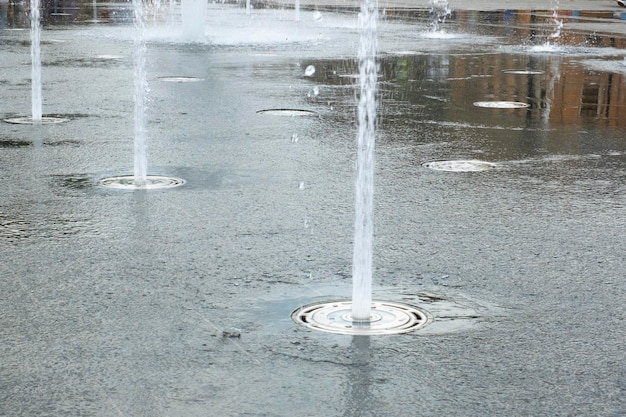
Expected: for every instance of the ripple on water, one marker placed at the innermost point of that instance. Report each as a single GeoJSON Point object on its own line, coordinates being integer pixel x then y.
{"type": "Point", "coordinates": [18, 226]}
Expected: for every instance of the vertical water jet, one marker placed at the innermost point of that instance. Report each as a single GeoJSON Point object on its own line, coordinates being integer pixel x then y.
{"type": "Point", "coordinates": [366, 139]}
{"type": "Point", "coordinates": [140, 180]}
{"type": "Point", "coordinates": [440, 10]}
{"type": "Point", "coordinates": [140, 86]}
{"type": "Point", "coordinates": [35, 54]}
{"type": "Point", "coordinates": [362, 315]}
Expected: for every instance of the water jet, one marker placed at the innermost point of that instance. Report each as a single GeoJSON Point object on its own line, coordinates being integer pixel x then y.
{"type": "Point", "coordinates": [361, 315]}
{"type": "Point", "coordinates": [140, 180]}
{"type": "Point", "coordinates": [36, 88]}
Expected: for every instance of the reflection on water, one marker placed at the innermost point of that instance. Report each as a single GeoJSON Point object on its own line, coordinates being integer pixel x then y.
{"type": "Point", "coordinates": [359, 398]}
{"type": "Point", "coordinates": [14, 14]}
{"type": "Point", "coordinates": [558, 90]}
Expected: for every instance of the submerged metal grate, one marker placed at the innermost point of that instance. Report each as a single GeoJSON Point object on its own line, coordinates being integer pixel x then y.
{"type": "Point", "coordinates": [287, 112]}
{"type": "Point", "coordinates": [471, 165]}
{"type": "Point", "coordinates": [153, 182]}
{"type": "Point", "coordinates": [523, 71]}
{"type": "Point", "coordinates": [180, 79]}
{"type": "Point", "coordinates": [501, 104]}
{"type": "Point", "coordinates": [388, 317]}
{"type": "Point", "coordinates": [46, 120]}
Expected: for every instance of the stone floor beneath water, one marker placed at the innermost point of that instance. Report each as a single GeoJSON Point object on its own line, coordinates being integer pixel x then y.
{"type": "Point", "coordinates": [178, 302]}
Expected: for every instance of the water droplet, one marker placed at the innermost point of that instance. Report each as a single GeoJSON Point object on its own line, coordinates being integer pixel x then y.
{"type": "Point", "coordinates": [316, 91]}
{"type": "Point", "coordinates": [301, 185]}
{"type": "Point", "coordinates": [317, 15]}
{"type": "Point", "coordinates": [294, 138]}
{"type": "Point", "coordinates": [309, 71]}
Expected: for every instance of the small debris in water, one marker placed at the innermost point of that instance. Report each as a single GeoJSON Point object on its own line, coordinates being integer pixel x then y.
{"type": "Point", "coordinates": [231, 333]}
{"type": "Point", "coordinates": [309, 71]}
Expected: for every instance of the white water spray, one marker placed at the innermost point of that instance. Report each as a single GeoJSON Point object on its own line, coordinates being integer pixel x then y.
{"type": "Point", "coordinates": [193, 15]}
{"type": "Point", "coordinates": [556, 21]}
{"type": "Point", "coordinates": [363, 225]}
{"type": "Point", "coordinates": [35, 54]}
{"type": "Point", "coordinates": [141, 160]}
{"type": "Point", "coordinates": [440, 10]}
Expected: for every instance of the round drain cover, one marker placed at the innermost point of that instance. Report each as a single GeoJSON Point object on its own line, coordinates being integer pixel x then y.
{"type": "Point", "coordinates": [523, 71]}
{"type": "Point", "coordinates": [287, 112]}
{"type": "Point", "coordinates": [180, 79]}
{"type": "Point", "coordinates": [153, 182]}
{"type": "Point", "coordinates": [501, 104]}
{"type": "Point", "coordinates": [461, 166]}
{"type": "Point", "coordinates": [30, 121]}
{"type": "Point", "coordinates": [387, 318]}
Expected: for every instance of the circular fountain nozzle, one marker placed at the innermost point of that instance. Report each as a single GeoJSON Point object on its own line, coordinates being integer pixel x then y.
{"type": "Point", "coordinates": [471, 165]}
{"type": "Point", "coordinates": [501, 104]}
{"type": "Point", "coordinates": [46, 120]}
{"type": "Point", "coordinates": [287, 112]}
{"type": "Point", "coordinates": [387, 318]}
{"type": "Point", "coordinates": [152, 182]}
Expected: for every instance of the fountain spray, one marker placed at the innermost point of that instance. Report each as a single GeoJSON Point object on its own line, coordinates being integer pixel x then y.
{"type": "Point", "coordinates": [141, 162]}
{"type": "Point", "coordinates": [362, 315]}
{"type": "Point", "coordinates": [363, 224]}
{"type": "Point", "coordinates": [35, 53]}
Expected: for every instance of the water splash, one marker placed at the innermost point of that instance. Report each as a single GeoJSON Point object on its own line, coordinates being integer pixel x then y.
{"type": "Point", "coordinates": [140, 84]}
{"type": "Point", "coordinates": [193, 15]}
{"type": "Point", "coordinates": [440, 11]}
{"type": "Point", "coordinates": [35, 54]}
{"type": "Point", "coordinates": [556, 21]}
{"type": "Point", "coordinates": [363, 225]}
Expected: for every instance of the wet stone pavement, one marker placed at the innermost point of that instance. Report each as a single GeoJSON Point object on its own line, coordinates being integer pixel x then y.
{"type": "Point", "coordinates": [177, 302]}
